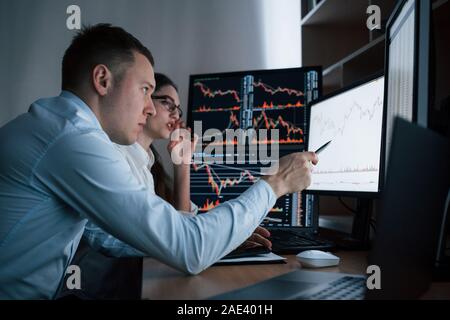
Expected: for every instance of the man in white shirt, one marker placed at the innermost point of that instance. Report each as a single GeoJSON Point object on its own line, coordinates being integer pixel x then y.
{"type": "Point", "coordinates": [59, 168]}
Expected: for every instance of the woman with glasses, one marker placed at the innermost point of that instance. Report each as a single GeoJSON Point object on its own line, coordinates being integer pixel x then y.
{"type": "Point", "coordinates": [144, 160]}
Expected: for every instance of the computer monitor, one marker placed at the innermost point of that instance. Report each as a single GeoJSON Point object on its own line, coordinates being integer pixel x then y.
{"type": "Point", "coordinates": [407, 66]}
{"type": "Point", "coordinates": [265, 99]}
{"type": "Point", "coordinates": [352, 119]}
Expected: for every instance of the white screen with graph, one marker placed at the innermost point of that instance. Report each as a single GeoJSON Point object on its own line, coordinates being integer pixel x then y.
{"type": "Point", "coordinates": [353, 122]}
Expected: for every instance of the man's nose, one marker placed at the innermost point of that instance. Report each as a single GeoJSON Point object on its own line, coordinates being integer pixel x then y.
{"type": "Point", "coordinates": [149, 109]}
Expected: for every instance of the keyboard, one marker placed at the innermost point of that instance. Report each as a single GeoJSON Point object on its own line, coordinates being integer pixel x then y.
{"type": "Point", "coordinates": [345, 288]}
{"type": "Point", "coordinates": [287, 241]}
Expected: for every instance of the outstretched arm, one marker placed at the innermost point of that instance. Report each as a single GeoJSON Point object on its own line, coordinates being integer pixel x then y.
{"type": "Point", "coordinates": [78, 169]}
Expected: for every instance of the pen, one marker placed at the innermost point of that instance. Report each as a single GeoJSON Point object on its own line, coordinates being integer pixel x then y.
{"type": "Point", "coordinates": [322, 147]}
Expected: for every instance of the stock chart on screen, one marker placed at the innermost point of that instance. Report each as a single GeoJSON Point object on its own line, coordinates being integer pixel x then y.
{"type": "Point", "coordinates": [353, 121]}
{"type": "Point", "coordinates": [253, 103]}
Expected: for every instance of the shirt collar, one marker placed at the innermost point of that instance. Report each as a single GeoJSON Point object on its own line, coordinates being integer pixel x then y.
{"type": "Point", "coordinates": [139, 155]}
{"type": "Point", "coordinates": [83, 110]}
{"type": "Point", "coordinates": [151, 158]}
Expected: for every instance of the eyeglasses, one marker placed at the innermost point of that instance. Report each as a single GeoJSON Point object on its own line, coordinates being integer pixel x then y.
{"type": "Point", "coordinates": [169, 105]}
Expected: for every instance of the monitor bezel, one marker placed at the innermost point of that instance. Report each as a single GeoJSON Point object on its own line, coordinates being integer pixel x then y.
{"type": "Point", "coordinates": [420, 19]}
{"type": "Point", "coordinates": [360, 194]}
{"type": "Point", "coordinates": [392, 19]}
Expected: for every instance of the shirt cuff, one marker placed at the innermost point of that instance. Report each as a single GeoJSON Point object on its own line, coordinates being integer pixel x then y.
{"type": "Point", "coordinates": [193, 212]}
{"type": "Point", "coordinates": [260, 197]}
{"type": "Point", "coordinates": [267, 193]}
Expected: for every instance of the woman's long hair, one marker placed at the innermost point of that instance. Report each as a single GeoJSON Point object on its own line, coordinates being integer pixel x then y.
{"type": "Point", "coordinates": [163, 182]}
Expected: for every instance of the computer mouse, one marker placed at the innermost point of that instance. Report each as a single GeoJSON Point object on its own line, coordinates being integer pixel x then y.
{"type": "Point", "coordinates": [317, 259]}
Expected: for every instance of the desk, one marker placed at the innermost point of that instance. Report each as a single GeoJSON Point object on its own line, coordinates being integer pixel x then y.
{"type": "Point", "coordinates": [161, 282]}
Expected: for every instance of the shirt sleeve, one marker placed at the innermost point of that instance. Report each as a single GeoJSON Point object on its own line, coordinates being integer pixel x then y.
{"type": "Point", "coordinates": [194, 208]}
{"type": "Point", "coordinates": [193, 212]}
{"type": "Point", "coordinates": [86, 173]}
{"type": "Point", "coordinates": [108, 245]}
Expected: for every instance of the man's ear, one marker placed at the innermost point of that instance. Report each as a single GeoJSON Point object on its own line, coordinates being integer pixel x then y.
{"type": "Point", "coordinates": [102, 79]}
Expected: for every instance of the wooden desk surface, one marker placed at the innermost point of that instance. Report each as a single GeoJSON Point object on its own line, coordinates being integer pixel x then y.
{"type": "Point", "coordinates": [161, 282]}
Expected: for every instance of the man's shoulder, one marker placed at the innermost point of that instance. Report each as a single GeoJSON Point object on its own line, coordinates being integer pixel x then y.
{"type": "Point", "coordinates": [48, 122]}
{"type": "Point", "coordinates": [67, 109]}
{"type": "Point", "coordinates": [48, 119]}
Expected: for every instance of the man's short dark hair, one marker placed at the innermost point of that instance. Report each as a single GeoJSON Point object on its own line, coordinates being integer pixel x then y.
{"type": "Point", "coordinates": [100, 44]}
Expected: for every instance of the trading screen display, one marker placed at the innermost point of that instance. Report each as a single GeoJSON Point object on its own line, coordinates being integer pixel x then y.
{"type": "Point", "coordinates": [353, 122]}
{"type": "Point", "coordinates": [249, 101]}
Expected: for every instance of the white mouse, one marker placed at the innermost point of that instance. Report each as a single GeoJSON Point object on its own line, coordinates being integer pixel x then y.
{"type": "Point", "coordinates": [317, 259]}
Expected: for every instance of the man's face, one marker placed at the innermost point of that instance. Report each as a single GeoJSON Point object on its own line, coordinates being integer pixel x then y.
{"type": "Point", "coordinates": [125, 109]}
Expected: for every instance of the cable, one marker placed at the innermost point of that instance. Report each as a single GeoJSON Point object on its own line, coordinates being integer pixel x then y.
{"type": "Point", "coordinates": [373, 225]}
{"type": "Point", "coordinates": [347, 207]}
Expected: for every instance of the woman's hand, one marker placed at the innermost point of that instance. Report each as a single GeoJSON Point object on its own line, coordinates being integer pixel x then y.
{"type": "Point", "coordinates": [180, 146]}
{"type": "Point", "coordinates": [258, 238]}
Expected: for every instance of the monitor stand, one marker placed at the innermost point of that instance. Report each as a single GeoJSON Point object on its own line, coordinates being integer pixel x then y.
{"type": "Point", "coordinates": [359, 239]}
{"type": "Point", "coordinates": [359, 236]}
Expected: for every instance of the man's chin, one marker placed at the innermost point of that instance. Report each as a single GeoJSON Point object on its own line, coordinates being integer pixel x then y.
{"type": "Point", "coordinates": [130, 139]}
{"type": "Point", "coordinates": [124, 142]}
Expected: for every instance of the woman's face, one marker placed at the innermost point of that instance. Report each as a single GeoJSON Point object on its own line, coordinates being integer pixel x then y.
{"type": "Point", "coordinates": [161, 125]}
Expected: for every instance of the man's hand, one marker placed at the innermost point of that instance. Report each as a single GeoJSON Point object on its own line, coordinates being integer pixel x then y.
{"type": "Point", "coordinates": [258, 238]}
{"type": "Point", "coordinates": [294, 173]}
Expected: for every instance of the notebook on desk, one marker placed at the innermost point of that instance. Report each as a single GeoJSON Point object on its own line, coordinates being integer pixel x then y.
{"type": "Point", "coordinates": [255, 255]}
{"type": "Point", "coordinates": [242, 252]}
{"type": "Point", "coordinates": [407, 230]}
